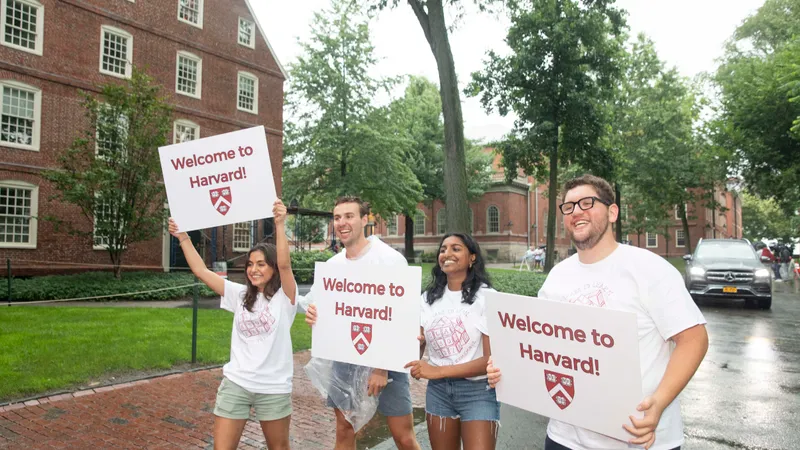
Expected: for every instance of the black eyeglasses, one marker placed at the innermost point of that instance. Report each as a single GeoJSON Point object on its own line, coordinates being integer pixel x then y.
{"type": "Point", "coordinates": [585, 203]}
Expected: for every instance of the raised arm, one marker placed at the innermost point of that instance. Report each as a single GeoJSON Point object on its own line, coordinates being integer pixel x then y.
{"type": "Point", "coordinates": [284, 259]}
{"type": "Point", "coordinates": [199, 269]}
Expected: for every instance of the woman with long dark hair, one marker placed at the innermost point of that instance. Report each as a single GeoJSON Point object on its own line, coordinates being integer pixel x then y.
{"type": "Point", "coordinates": [259, 374]}
{"type": "Point", "coordinates": [460, 405]}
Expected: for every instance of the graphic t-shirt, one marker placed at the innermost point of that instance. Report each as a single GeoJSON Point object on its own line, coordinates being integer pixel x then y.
{"type": "Point", "coordinates": [454, 330]}
{"type": "Point", "coordinates": [639, 281]}
{"type": "Point", "coordinates": [261, 346]}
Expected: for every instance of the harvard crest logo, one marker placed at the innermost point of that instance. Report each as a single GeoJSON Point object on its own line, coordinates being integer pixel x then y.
{"type": "Point", "coordinates": [560, 387]}
{"type": "Point", "coordinates": [221, 199]}
{"type": "Point", "coordinates": [361, 333]}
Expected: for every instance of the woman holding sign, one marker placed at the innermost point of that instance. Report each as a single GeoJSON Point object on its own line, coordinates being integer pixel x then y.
{"type": "Point", "coordinates": [259, 374]}
{"type": "Point", "coordinates": [460, 405]}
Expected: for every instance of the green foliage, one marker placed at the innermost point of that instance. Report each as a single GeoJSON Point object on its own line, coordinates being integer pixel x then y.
{"type": "Point", "coordinates": [303, 264]}
{"type": "Point", "coordinates": [508, 281]}
{"type": "Point", "coordinates": [765, 219]}
{"type": "Point", "coordinates": [91, 284]}
{"type": "Point", "coordinates": [112, 173]}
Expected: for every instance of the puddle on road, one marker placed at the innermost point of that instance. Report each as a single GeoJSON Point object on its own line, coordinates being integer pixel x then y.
{"type": "Point", "coordinates": [377, 431]}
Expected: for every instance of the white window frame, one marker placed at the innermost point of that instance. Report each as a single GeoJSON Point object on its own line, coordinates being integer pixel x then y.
{"type": "Point", "coordinates": [32, 221]}
{"type": "Point", "coordinates": [252, 43]}
{"type": "Point", "coordinates": [37, 114]}
{"type": "Point", "coordinates": [677, 239]}
{"type": "Point", "coordinates": [686, 207]}
{"type": "Point", "coordinates": [96, 246]}
{"type": "Point", "coordinates": [417, 223]}
{"type": "Point", "coordinates": [234, 244]}
{"type": "Point", "coordinates": [39, 42]}
{"type": "Point", "coordinates": [389, 226]}
{"type": "Point", "coordinates": [647, 240]}
{"type": "Point", "coordinates": [187, 124]}
{"type": "Point", "coordinates": [128, 56]}
{"type": "Point", "coordinates": [199, 23]}
{"type": "Point", "coordinates": [199, 75]}
{"type": "Point", "coordinates": [489, 219]}
{"type": "Point", "coordinates": [97, 134]}
{"type": "Point", "coordinates": [441, 218]}
{"type": "Point", "coordinates": [239, 90]}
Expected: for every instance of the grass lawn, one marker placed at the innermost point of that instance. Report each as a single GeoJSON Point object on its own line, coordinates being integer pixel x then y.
{"type": "Point", "coordinates": [54, 348]}
{"type": "Point", "coordinates": [678, 262]}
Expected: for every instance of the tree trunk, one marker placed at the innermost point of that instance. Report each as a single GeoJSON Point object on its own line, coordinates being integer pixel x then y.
{"type": "Point", "coordinates": [685, 222]}
{"type": "Point", "coordinates": [116, 261]}
{"type": "Point", "coordinates": [409, 238]}
{"type": "Point", "coordinates": [551, 205]}
{"type": "Point", "coordinates": [618, 194]}
{"type": "Point", "coordinates": [666, 239]}
{"type": "Point", "coordinates": [432, 20]}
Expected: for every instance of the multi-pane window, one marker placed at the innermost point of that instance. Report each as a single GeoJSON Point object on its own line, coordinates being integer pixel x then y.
{"type": "Point", "coordinates": [680, 238]}
{"type": "Point", "coordinates": [419, 223]}
{"type": "Point", "coordinates": [248, 93]}
{"type": "Point", "coordinates": [391, 226]}
{"type": "Point", "coordinates": [112, 133]}
{"type": "Point", "coordinates": [19, 117]}
{"type": "Point", "coordinates": [191, 12]}
{"type": "Point", "coordinates": [23, 25]}
{"type": "Point", "coordinates": [246, 37]}
{"type": "Point", "coordinates": [116, 52]}
{"type": "Point", "coordinates": [18, 209]}
{"type": "Point", "coordinates": [493, 219]}
{"type": "Point", "coordinates": [103, 220]}
{"type": "Point", "coordinates": [185, 131]}
{"type": "Point", "coordinates": [652, 240]}
{"type": "Point", "coordinates": [441, 221]}
{"type": "Point", "coordinates": [189, 74]}
{"type": "Point", "coordinates": [241, 237]}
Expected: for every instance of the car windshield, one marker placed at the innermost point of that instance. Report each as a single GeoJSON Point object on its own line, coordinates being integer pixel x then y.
{"type": "Point", "coordinates": [724, 250]}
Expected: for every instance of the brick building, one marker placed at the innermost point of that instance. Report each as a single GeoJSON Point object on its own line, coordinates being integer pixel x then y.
{"type": "Point", "coordinates": [213, 61]}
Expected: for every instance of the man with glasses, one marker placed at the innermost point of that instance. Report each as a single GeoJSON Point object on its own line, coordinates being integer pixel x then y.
{"type": "Point", "coordinates": [606, 274]}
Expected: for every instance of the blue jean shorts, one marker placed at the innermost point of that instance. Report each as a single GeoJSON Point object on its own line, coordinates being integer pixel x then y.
{"type": "Point", "coordinates": [463, 399]}
{"type": "Point", "coordinates": [394, 400]}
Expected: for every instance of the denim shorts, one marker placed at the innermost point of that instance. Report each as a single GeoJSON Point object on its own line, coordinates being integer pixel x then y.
{"type": "Point", "coordinates": [394, 400]}
{"type": "Point", "coordinates": [461, 398]}
{"type": "Point", "coordinates": [234, 402]}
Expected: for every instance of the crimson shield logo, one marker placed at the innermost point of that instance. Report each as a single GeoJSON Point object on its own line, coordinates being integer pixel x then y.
{"type": "Point", "coordinates": [221, 199]}
{"type": "Point", "coordinates": [361, 333]}
{"type": "Point", "coordinates": [560, 387]}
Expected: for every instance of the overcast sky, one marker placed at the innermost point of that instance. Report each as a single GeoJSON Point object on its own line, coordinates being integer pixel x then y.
{"type": "Point", "coordinates": [688, 34]}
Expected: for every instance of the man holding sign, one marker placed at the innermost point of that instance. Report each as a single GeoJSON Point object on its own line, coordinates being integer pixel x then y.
{"type": "Point", "coordinates": [394, 402]}
{"type": "Point", "coordinates": [606, 274]}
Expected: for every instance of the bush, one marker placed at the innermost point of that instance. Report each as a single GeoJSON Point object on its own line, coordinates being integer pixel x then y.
{"type": "Point", "coordinates": [303, 264]}
{"type": "Point", "coordinates": [508, 281]}
{"type": "Point", "coordinates": [93, 284]}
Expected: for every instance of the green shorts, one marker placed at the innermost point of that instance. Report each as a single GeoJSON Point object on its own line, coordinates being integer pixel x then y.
{"type": "Point", "coordinates": [234, 402]}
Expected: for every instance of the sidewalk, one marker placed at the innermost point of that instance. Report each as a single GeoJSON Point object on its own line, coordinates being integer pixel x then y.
{"type": "Point", "coordinates": [171, 412]}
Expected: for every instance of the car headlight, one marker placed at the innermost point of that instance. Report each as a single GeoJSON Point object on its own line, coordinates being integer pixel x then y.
{"type": "Point", "coordinates": [762, 273]}
{"type": "Point", "coordinates": [697, 271]}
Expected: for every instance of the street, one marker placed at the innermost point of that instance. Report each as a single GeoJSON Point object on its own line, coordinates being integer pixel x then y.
{"type": "Point", "coordinates": [744, 396]}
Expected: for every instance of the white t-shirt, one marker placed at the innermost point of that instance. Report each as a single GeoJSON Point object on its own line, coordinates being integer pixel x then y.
{"type": "Point", "coordinates": [454, 330]}
{"type": "Point", "coordinates": [639, 281]}
{"type": "Point", "coordinates": [261, 345]}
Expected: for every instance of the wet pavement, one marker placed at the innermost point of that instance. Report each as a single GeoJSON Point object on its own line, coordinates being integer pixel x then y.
{"type": "Point", "coordinates": [744, 396]}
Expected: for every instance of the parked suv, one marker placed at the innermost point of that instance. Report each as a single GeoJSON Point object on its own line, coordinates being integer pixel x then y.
{"type": "Point", "coordinates": [728, 268]}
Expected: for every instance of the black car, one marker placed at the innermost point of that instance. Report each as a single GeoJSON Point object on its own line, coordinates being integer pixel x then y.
{"type": "Point", "coordinates": [728, 268]}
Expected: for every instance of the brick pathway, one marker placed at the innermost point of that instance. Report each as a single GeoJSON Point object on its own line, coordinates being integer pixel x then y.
{"type": "Point", "coordinates": [172, 412]}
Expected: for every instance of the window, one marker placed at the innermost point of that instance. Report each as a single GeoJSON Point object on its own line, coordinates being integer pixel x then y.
{"type": "Point", "coordinates": [191, 12]}
{"type": "Point", "coordinates": [652, 240]}
{"type": "Point", "coordinates": [23, 25]}
{"type": "Point", "coordinates": [493, 219]}
{"type": "Point", "coordinates": [419, 223]}
{"type": "Point", "coordinates": [680, 238]}
{"type": "Point", "coordinates": [678, 212]}
{"type": "Point", "coordinates": [185, 131]}
{"type": "Point", "coordinates": [116, 52]}
{"type": "Point", "coordinates": [18, 211]}
{"type": "Point", "coordinates": [241, 237]}
{"type": "Point", "coordinates": [441, 221]}
{"type": "Point", "coordinates": [471, 228]}
{"type": "Point", "coordinates": [391, 226]}
{"type": "Point", "coordinates": [246, 37]}
{"type": "Point", "coordinates": [248, 93]}
{"type": "Point", "coordinates": [19, 118]}
{"type": "Point", "coordinates": [112, 133]}
{"type": "Point", "coordinates": [103, 213]}
{"type": "Point", "coordinates": [189, 75]}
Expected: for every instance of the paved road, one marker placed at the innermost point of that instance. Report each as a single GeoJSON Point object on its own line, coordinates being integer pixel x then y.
{"type": "Point", "coordinates": [745, 395]}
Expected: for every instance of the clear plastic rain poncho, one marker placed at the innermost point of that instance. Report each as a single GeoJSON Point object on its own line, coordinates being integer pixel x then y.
{"type": "Point", "coordinates": [346, 386]}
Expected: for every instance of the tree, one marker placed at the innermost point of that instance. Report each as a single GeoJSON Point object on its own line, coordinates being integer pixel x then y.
{"type": "Point", "coordinates": [112, 173]}
{"type": "Point", "coordinates": [431, 17]}
{"type": "Point", "coordinates": [764, 219]}
{"type": "Point", "coordinates": [563, 66]}
{"type": "Point", "coordinates": [339, 142]}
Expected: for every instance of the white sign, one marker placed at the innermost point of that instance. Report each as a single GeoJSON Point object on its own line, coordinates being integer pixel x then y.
{"type": "Point", "coordinates": [367, 315]}
{"type": "Point", "coordinates": [574, 363]}
{"type": "Point", "coordinates": [219, 180]}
